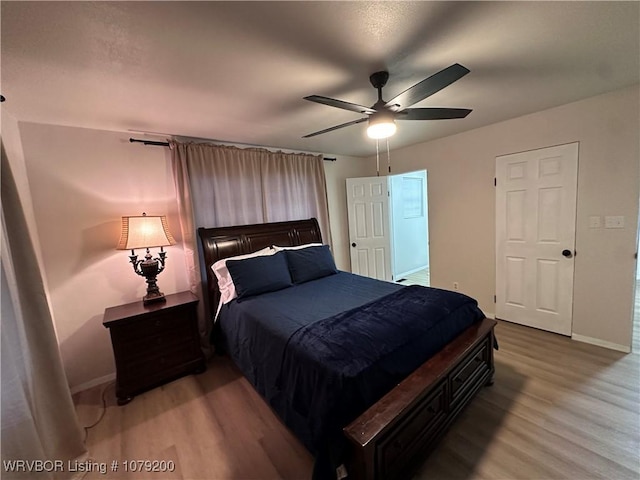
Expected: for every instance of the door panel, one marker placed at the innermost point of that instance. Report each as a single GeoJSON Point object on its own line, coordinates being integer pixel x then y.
{"type": "Point", "coordinates": [516, 201]}
{"type": "Point", "coordinates": [535, 222]}
{"type": "Point", "coordinates": [547, 288]}
{"type": "Point", "coordinates": [369, 236]}
{"type": "Point", "coordinates": [516, 285]}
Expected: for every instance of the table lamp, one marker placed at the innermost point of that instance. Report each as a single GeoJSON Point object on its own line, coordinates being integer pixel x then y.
{"type": "Point", "coordinates": [147, 231]}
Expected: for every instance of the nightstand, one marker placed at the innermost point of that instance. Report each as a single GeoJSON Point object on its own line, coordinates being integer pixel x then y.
{"type": "Point", "coordinates": [154, 344]}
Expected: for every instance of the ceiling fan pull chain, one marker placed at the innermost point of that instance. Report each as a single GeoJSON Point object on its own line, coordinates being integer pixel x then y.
{"type": "Point", "coordinates": [377, 158]}
{"type": "Point", "coordinates": [388, 157]}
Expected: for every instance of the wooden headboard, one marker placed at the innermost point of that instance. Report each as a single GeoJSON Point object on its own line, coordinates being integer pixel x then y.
{"type": "Point", "coordinates": [223, 242]}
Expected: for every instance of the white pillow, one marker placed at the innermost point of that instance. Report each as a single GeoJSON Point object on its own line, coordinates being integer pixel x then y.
{"type": "Point", "coordinates": [297, 247]}
{"type": "Point", "coordinates": [225, 282]}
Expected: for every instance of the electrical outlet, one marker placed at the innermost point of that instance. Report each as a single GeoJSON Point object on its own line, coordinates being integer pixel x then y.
{"type": "Point", "coordinates": [456, 286]}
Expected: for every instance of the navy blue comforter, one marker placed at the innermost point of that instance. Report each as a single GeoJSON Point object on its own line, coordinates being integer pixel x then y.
{"type": "Point", "coordinates": [320, 358]}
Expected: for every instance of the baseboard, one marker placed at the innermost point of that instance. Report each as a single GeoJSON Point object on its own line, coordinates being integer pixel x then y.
{"type": "Point", "coordinates": [92, 383]}
{"type": "Point", "coordinates": [600, 343]}
{"type": "Point", "coordinates": [492, 316]}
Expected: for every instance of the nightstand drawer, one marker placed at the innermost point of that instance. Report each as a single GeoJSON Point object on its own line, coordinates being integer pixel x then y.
{"type": "Point", "coordinates": [157, 323]}
{"type": "Point", "coordinates": [175, 355]}
{"type": "Point", "coordinates": [153, 344]}
{"type": "Point", "coordinates": [131, 346]}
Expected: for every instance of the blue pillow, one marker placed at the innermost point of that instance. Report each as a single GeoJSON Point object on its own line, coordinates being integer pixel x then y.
{"type": "Point", "coordinates": [310, 263]}
{"type": "Point", "coordinates": [253, 276]}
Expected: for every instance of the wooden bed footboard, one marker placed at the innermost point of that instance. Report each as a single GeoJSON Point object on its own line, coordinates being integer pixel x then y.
{"type": "Point", "coordinates": [392, 438]}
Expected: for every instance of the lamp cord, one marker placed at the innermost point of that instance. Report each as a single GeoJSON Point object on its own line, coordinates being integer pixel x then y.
{"type": "Point", "coordinates": [377, 158]}
{"type": "Point", "coordinates": [102, 414]}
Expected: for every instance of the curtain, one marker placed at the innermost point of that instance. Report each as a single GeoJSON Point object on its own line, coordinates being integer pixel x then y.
{"type": "Point", "coordinates": [225, 183]}
{"type": "Point", "coordinates": [294, 188]}
{"type": "Point", "coordinates": [219, 186]}
{"type": "Point", "coordinates": [38, 417]}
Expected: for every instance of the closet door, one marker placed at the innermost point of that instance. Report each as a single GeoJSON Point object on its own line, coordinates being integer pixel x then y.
{"type": "Point", "coordinates": [535, 237]}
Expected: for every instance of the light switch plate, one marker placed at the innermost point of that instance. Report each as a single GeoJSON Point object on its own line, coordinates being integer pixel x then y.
{"type": "Point", "coordinates": [611, 221]}
{"type": "Point", "coordinates": [595, 221]}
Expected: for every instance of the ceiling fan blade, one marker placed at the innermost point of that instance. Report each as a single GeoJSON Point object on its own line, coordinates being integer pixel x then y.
{"type": "Point", "coordinates": [429, 86]}
{"type": "Point", "coordinates": [360, 120]}
{"type": "Point", "coordinates": [432, 113]}
{"type": "Point", "coordinates": [332, 102]}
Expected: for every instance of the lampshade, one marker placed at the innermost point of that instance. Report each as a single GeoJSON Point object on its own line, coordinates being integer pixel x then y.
{"type": "Point", "coordinates": [145, 231]}
{"type": "Point", "coordinates": [381, 125]}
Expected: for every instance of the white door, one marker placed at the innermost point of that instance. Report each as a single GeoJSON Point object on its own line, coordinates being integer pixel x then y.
{"type": "Point", "coordinates": [369, 236]}
{"type": "Point", "coordinates": [535, 237]}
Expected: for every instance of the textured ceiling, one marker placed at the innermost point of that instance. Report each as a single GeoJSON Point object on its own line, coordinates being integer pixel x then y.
{"type": "Point", "coordinates": [237, 71]}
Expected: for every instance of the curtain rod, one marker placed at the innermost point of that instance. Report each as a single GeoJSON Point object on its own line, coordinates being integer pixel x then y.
{"type": "Point", "coordinates": [166, 144]}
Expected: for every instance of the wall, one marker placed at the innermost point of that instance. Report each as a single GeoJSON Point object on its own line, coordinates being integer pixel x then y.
{"type": "Point", "coordinates": [10, 134]}
{"type": "Point", "coordinates": [462, 204]}
{"type": "Point", "coordinates": [336, 174]}
{"type": "Point", "coordinates": [80, 182]}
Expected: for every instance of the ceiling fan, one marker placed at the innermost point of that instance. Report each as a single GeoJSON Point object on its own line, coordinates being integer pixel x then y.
{"type": "Point", "coordinates": [382, 114]}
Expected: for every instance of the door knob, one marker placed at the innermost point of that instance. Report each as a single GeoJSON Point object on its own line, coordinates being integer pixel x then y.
{"type": "Point", "coordinates": [567, 253]}
{"type": "Point", "coordinates": [353, 244]}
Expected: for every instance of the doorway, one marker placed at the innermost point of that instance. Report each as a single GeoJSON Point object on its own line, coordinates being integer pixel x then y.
{"type": "Point", "coordinates": [536, 194]}
{"type": "Point", "coordinates": [388, 227]}
{"type": "Point", "coordinates": [409, 228]}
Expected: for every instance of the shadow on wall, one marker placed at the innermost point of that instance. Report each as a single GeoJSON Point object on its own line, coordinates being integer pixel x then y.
{"type": "Point", "coordinates": [97, 242]}
{"type": "Point", "coordinates": [87, 234]}
{"type": "Point", "coordinates": [85, 273]}
{"type": "Point", "coordinates": [87, 348]}
{"type": "Point", "coordinates": [79, 304]}
{"type": "Point", "coordinates": [97, 245]}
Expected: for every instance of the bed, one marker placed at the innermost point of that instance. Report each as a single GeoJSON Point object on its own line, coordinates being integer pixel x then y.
{"type": "Point", "coordinates": [295, 344]}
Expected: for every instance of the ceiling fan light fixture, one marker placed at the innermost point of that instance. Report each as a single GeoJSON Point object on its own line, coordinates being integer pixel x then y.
{"type": "Point", "coordinates": [381, 125]}
{"type": "Point", "coordinates": [382, 114]}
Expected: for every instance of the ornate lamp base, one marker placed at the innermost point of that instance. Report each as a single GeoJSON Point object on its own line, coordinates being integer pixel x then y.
{"type": "Point", "coordinates": [149, 269]}
{"type": "Point", "coordinates": [153, 297]}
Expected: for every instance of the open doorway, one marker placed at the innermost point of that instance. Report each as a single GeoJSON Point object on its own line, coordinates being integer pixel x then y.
{"type": "Point", "coordinates": [408, 212]}
{"type": "Point", "coordinates": [389, 227]}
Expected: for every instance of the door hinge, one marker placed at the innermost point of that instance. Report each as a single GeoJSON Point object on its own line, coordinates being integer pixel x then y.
{"type": "Point", "coordinates": [495, 182]}
{"type": "Point", "coordinates": [495, 299]}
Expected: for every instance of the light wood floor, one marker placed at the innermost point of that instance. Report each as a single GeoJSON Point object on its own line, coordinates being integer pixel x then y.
{"type": "Point", "coordinates": [416, 278]}
{"type": "Point", "coordinates": [559, 409]}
